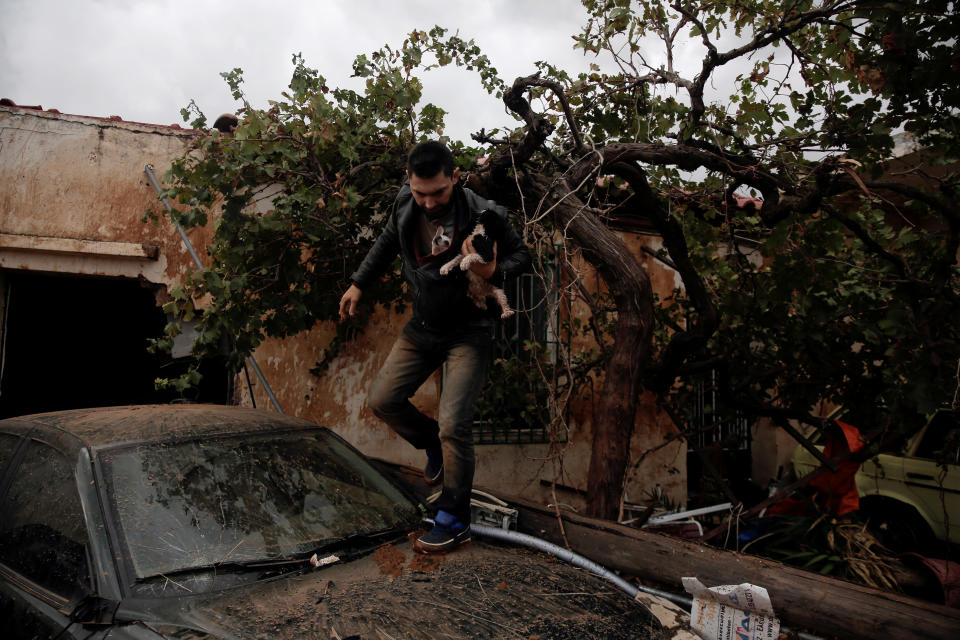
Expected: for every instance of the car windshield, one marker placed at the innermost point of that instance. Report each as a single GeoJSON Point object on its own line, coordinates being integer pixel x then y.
{"type": "Point", "coordinates": [239, 499]}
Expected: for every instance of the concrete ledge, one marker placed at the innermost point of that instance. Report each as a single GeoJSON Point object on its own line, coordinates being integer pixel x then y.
{"type": "Point", "coordinates": [74, 246]}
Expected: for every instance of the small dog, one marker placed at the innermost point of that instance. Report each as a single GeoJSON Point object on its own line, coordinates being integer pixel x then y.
{"type": "Point", "coordinates": [440, 242]}
{"type": "Point", "coordinates": [489, 228]}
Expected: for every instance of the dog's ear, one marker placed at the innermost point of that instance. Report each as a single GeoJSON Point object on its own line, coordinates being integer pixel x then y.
{"type": "Point", "coordinates": [492, 223]}
{"type": "Point", "coordinates": [483, 245]}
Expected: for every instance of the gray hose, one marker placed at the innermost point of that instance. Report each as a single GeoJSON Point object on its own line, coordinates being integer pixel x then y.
{"type": "Point", "coordinates": [515, 537]}
{"type": "Point", "coordinates": [576, 560]}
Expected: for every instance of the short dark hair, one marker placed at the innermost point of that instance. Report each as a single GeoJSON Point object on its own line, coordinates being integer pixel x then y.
{"type": "Point", "coordinates": [429, 158]}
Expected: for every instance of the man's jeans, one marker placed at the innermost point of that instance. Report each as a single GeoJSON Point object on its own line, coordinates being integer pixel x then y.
{"type": "Point", "coordinates": [465, 358]}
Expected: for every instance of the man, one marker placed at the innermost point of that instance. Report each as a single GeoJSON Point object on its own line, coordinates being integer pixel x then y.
{"type": "Point", "coordinates": [431, 218]}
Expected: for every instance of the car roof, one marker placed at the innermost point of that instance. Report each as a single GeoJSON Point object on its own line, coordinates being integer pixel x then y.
{"type": "Point", "coordinates": [106, 425]}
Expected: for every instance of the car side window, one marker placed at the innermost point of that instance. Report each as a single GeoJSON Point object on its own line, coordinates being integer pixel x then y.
{"type": "Point", "coordinates": [941, 441]}
{"type": "Point", "coordinates": [42, 531]}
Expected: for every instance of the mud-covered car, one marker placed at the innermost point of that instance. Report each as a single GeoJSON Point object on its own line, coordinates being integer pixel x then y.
{"type": "Point", "coordinates": [910, 497]}
{"type": "Point", "coordinates": [189, 521]}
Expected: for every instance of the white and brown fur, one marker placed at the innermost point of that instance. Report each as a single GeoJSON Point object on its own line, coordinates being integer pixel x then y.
{"type": "Point", "coordinates": [489, 226]}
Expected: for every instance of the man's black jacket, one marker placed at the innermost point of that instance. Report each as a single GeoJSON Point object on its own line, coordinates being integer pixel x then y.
{"type": "Point", "coordinates": [440, 303]}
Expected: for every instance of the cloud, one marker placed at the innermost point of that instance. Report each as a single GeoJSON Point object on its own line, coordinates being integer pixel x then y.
{"type": "Point", "coordinates": [145, 60]}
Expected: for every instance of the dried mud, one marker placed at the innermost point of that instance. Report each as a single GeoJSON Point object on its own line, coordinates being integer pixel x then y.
{"type": "Point", "coordinates": [161, 422]}
{"type": "Point", "coordinates": [478, 591]}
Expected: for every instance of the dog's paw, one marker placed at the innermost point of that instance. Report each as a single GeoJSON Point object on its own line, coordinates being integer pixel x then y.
{"type": "Point", "coordinates": [507, 313]}
{"type": "Point", "coordinates": [447, 268]}
{"type": "Point", "coordinates": [470, 259]}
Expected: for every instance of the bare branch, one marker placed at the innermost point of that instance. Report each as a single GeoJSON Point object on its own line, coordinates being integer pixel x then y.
{"type": "Point", "coordinates": [687, 157]}
{"type": "Point", "coordinates": [538, 128]}
{"type": "Point", "coordinates": [536, 81]}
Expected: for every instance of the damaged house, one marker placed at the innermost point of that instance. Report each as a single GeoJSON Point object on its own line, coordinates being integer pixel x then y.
{"type": "Point", "coordinates": [82, 276]}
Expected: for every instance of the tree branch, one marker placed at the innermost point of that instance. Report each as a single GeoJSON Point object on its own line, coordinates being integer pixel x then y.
{"type": "Point", "coordinates": [538, 128]}
{"type": "Point", "coordinates": [536, 81]}
{"type": "Point", "coordinates": [767, 36]}
{"type": "Point", "coordinates": [683, 157]}
{"type": "Point", "coordinates": [686, 343]}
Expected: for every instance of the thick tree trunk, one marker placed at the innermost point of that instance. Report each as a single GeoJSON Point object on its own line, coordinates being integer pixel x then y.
{"type": "Point", "coordinates": [613, 428]}
{"type": "Point", "coordinates": [628, 284]}
{"type": "Point", "coordinates": [630, 287]}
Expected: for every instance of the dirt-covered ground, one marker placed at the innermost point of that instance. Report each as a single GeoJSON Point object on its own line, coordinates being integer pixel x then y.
{"type": "Point", "coordinates": [478, 591]}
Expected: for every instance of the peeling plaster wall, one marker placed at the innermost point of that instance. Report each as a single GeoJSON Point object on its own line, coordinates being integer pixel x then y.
{"type": "Point", "coordinates": [72, 193]}
{"type": "Point", "coordinates": [338, 400]}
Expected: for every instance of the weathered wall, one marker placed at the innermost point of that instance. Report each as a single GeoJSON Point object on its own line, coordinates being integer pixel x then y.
{"type": "Point", "coordinates": [772, 448]}
{"type": "Point", "coordinates": [72, 193]}
{"type": "Point", "coordinates": [338, 400]}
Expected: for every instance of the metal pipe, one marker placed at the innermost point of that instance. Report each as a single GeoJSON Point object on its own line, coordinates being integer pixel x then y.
{"type": "Point", "coordinates": [196, 260]}
{"type": "Point", "coordinates": [183, 234]}
{"type": "Point", "coordinates": [266, 385]}
{"type": "Point", "coordinates": [683, 515]}
{"type": "Point", "coordinates": [575, 559]}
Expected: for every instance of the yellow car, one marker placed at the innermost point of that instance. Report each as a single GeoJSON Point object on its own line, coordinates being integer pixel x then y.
{"type": "Point", "coordinates": [910, 499]}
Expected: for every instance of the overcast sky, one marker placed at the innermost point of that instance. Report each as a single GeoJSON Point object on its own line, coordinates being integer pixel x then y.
{"type": "Point", "coordinates": [145, 59]}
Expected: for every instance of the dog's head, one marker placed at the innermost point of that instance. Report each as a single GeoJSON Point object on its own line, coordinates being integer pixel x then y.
{"type": "Point", "coordinates": [489, 229]}
{"type": "Point", "coordinates": [441, 241]}
{"type": "Point", "coordinates": [493, 224]}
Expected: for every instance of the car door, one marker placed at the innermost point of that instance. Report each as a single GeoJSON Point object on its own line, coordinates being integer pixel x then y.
{"type": "Point", "coordinates": [44, 566]}
{"type": "Point", "coordinates": [932, 474]}
{"type": "Point", "coordinates": [881, 475]}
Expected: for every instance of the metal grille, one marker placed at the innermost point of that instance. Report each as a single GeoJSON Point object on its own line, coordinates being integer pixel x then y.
{"type": "Point", "coordinates": [485, 433]}
{"type": "Point", "coordinates": [531, 323]}
{"type": "Point", "coordinates": [712, 424]}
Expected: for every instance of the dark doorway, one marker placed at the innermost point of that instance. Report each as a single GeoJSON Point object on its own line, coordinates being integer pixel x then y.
{"type": "Point", "coordinates": [71, 342]}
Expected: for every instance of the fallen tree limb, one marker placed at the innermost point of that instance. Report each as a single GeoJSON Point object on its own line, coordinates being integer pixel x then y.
{"type": "Point", "coordinates": [802, 599]}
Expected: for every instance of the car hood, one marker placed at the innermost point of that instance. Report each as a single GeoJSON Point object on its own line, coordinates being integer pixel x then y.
{"type": "Point", "coordinates": [478, 591]}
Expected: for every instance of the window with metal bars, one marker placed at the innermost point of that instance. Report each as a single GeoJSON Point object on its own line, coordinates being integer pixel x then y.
{"type": "Point", "coordinates": [504, 415]}
{"type": "Point", "coordinates": [712, 425]}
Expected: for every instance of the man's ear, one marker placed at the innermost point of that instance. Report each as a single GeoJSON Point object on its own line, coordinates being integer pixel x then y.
{"type": "Point", "coordinates": [456, 173]}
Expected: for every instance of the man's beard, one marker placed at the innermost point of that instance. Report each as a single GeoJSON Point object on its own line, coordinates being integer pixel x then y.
{"type": "Point", "coordinates": [438, 213]}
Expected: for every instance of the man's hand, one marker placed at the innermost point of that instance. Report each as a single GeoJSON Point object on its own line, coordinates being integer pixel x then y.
{"type": "Point", "coordinates": [348, 303]}
{"type": "Point", "coordinates": [484, 270]}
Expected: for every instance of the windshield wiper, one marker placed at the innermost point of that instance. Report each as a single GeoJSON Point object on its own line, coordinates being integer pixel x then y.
{"type": "Point", "coordinates": [329, 551]}
{"type": "Point", "coordinates": [353, 545]}
{"type": "Point", "coordinates": [325, 553]}
{"type": "Point", "coordinates": [264, 565]}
